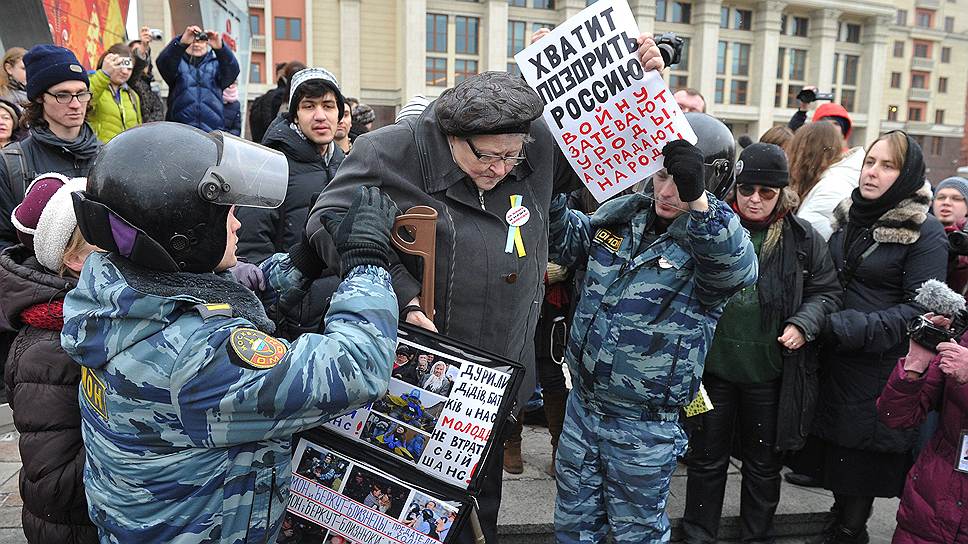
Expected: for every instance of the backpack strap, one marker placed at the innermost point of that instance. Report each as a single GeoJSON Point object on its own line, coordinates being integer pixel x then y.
{"type": "Point", "coordinates": [17, 173]}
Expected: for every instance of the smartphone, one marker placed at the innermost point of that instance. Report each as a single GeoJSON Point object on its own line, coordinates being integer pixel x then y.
{"type": "Point", "coordinates": [126, 62]}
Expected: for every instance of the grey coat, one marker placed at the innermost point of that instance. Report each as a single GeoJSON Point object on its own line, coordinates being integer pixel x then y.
{"type": "Point", "coordinates": [483, 296]}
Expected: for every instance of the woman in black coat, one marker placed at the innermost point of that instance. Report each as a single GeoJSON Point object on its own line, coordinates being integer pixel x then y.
{"type": "Point", "coordinates": [761, 370]}
{"type": "Point", "coordinates": [884, 245]}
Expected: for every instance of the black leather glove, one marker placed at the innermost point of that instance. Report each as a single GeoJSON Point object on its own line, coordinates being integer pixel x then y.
{"type": "Point", "coordinates": [684, 162]}
{"type": "Point", "coordinates": [304, 257]}
{"type": "Point", "coordinates": [362, 237]}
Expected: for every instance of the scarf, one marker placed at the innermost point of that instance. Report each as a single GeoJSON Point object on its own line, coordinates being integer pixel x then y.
{"type": "Point", "coordinates": [864, 212]}
{"type": "Point", "coordinates": [777, 267]}
{"type": "Point", "coordinates": [46, 315]}
{"type": "Point", "coordinates": [84, 147]}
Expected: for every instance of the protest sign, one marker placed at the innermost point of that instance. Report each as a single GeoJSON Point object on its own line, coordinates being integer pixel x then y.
{"type": "Point", "coordinates": [610, 117]}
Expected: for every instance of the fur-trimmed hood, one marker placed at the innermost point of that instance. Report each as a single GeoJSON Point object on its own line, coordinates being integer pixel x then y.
{"type": "Point", "coordinates": [899, 225]}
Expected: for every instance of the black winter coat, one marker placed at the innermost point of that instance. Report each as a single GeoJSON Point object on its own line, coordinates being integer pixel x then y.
{"type": "Point", "coordinates": [264, 111]}
{"type": "Point", "coordinates": [816, 293]}
{"type": "Point", "coordinates": [42, 385]}
{"type": "Point", "coordinates": [265, 232]}
{"type": "Point", "coordinates": [863, 342]}
{"type": "Point", "coordinates": [232, 117]}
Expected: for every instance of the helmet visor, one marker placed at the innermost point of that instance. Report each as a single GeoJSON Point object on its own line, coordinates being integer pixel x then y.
{"type": "Point", "coordinates": [247, 175]}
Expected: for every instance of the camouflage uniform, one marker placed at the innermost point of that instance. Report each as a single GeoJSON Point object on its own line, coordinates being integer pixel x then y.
{"type": "Point", "coordinates": [184, 443]}
{"type": "Point", "coordinates": [647, 313]}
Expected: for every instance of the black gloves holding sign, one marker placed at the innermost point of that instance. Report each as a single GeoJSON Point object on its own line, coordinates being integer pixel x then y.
{"type": "Point", "coordinates": [684, 162]}
{"type": "Point", "coordinates": [362, 237]}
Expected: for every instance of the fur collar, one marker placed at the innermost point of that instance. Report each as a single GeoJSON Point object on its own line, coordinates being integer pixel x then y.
{"type": "Point", "coordinates": [900, 225]}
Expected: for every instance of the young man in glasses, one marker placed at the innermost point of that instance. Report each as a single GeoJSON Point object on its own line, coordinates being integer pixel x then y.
{"type": "Point", "coordinates": [59, 139]}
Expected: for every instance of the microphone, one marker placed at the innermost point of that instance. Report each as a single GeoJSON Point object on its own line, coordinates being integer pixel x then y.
{"type": "Point", "coordinates": [939, 298]}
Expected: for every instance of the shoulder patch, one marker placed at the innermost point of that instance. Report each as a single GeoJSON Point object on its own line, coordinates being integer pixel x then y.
{"type": "Point", "coordinates": [606, 238]}
{"type": "Point", "coordinates": [255, 350]}
{"type": "Point", "coordinates": [213, 310]}
{"type": "Point", "coordinates": [93, 389]}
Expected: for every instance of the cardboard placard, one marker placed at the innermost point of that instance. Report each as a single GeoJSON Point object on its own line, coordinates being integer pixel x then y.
{"type": "Point", "coordinates": [610, 117]}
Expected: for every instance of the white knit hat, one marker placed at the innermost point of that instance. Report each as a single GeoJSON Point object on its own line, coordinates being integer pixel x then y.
{"type": "Point", "coordinates": [56, 225]}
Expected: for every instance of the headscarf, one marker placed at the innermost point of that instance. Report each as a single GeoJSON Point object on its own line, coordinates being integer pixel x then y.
{"type": "Point", "coordinates": [864, 212]}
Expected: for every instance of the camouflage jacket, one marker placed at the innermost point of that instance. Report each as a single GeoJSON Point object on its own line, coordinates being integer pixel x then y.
{"type": "Point", "coordinates": [187, 437]}
{"type": "Point", "coordinates": [649, 304]}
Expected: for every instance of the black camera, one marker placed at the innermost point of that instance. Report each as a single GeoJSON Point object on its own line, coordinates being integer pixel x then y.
{"type": "Point", "coordinates": [670, 46]}
{"type": "Point", "coordinates": [201, 36]}
{"type": "Point", "coordinates": [929, 335]}
{"type": "Point", "coordinates": [809, 95]}
{"type": "Point", "coordinates": [958, 242]}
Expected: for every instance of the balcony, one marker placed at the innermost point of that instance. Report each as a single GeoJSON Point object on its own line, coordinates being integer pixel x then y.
{"type": "Point", "coordinates": [917, 3]}
{"type": "Point", "coordinates": [262, 3]}
{"type": "Point", "coordinates": [258, 43]}
{"type": "Point", "coordinates": [920, 95]}
{"type": "Point", "coordinates": [918, 63]}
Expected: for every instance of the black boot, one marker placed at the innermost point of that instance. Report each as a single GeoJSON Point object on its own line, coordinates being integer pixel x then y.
{"type": "Point", "coordinates": [843, 535]}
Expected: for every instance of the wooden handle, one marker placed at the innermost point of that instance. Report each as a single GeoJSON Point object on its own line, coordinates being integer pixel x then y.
{"type": "Point", "coordinates": [420, 224]}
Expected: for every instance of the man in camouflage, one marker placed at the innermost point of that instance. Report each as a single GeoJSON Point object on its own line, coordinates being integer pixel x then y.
{"type": "Point", "coordinates": [188, 404]}
{"type": "Point", "coordinates": [661, 266]}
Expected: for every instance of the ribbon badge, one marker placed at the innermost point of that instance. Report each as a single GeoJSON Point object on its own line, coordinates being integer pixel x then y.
{"type": "Point", "coordinates": [516, 217]}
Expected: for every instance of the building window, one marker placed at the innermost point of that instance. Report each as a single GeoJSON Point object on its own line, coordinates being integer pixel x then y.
{"type": "Point", "coordinates": [660, 10]}
{"type": "Point", "coordinates": [901, 17]}
{"type": "Point", "coordinates": [850, 69]}
{"type": "Point", "coordinates": [924, 18]}
{"type": "Point", "coordinates": [678, 82]}
{"type": "Point", "coordinates": [942, 84]}
{"type": "Point", "coordinates": [780, 61]}
{"type": "Point", "coordinates": [895, 80]}
{"type": "Point", "coordinates": [518, 3]}
{"type": "Point", "coordinates": [684, 58]}
{"type": "Point", "coordinates": [681, 12]}
{"type": "Point", "coordinates": [937, 145]}
{"type": "Point", "coordinates": [922, 50]}
{"type": "Point", "coordinates": [737, 92]}
{"type": "Point", "coordinates": [516, 38]}
{"type": "Point", "coordinates": [949, 24]}
{"type": "Point", "coordinates": [543, 4]}
{"type": "Point", "coordinates": [783, 24]}
{"type": "Point", "coordinates": [513, 68]}
{"type": "Point", "coordinates": [255, 72]}
{"type": "Point", "coordinates": [898, 49]}
{"type": "Point", "coordinates": [720, 88]}
{"type": "Point", "coordinates": [939, 117]}
{"type": "Point", "coordinates": [436, 34]}
{"type": "Point", "coordinates": [464, 69]}
{"type": "Point", "coordinates": [945, 55]}
{"type": "Point", "coordinates": [801, 26]}
{"type": "Point", "coordinates": [724, 17]}
{"type": "Point", "coordinates": [915, 111]}
{"type": "Point", "coordinates": [742, 19]}
{"type": "Point", "coordinates": [848, 32]}
{"type": "Point", "coordinates": [798, 64]}
{"type": "Point", "coordinates": [436, 72]}
{"type": "Point", "coordinates": [741, 59]}
{"type": "Point", "coordinates": [919, 80]}
{"type": "Point", "coordinates": [255, 25]}
{"type": "Point", "coordinates": [466, 35]}
{"type": "Point", "coordinates": [847, 97]}
{"type": "Point", "coordinates": [892, 113]}
{"type": "Point", "coordinates": [721, 58]}
{"type": "Point", "coordinates": [287, 28]}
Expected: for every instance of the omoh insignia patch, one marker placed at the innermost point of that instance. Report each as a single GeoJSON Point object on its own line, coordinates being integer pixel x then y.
{"type": "Point", "coordinates": [254, 349]}
{"type": "Point", "coordinates": [609, 240]}
{"type": "Point", "coordinates": [93, 389]}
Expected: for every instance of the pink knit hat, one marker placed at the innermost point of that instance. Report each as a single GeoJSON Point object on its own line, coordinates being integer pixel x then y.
{"type": "Point", "coordinates": [45, 220]}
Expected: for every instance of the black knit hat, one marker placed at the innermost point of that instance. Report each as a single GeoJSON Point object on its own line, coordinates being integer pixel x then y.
{"type": "Point", "coordinates": [763, 164]}
{"type": "Point", "coordinates": [488, 103]}
{"type": "Point", "coordinates": [47, 65]}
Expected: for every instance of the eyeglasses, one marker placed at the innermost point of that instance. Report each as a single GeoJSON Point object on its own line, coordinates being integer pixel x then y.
{"type": "Point", "coordinates": [82, 97]}
{"type": "Point", "coordinates": [766, 193]}
{"type": "Point", "coordinates": [489, 159]}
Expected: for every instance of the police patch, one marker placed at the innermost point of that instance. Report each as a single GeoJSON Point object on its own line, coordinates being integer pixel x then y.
{"type": "Point", "coordinates": [93, 389]}
{"type": "Point", "coordinates": [609, 240]}
{"type": "Point", "coordinates": [249, 348]}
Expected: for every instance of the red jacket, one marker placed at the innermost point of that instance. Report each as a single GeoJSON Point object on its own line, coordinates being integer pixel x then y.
{"type": "Point", "coordinates": [957, 264]}
{"type": "Point", "coordinates": [934, 504]}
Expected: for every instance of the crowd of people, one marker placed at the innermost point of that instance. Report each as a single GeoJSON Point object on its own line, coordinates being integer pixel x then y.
{"type": "Point", "coordinates": [258, 295]}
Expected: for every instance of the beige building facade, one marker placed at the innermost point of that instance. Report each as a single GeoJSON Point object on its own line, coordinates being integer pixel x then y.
{"type": "Point", "coordinates": [892, 64]}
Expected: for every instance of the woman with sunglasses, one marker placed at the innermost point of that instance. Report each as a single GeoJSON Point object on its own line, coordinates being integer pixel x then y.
{"type": "Point", "coordinates": [885, 244]}
{"type": "Point", "coordinates": [760, 371]}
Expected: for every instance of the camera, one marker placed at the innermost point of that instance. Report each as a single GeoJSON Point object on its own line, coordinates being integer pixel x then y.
{"type": "Point", "coordinates": [958, 242]}
{"type": "Point", "coordinates": [809, 95]}
{"type": "Point", "coordinates": [201, 36]}
{"type": "Point", "coordinates": [125, 62]}
{"type": "Point", "coordinates": [929, 335]}
{"type": "Point", "coordinates": [156, 34]}
{"type": "Point", "coordinates": [670, 46]}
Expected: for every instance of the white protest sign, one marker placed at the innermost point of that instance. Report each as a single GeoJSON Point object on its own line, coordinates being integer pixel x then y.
{"type": "Point", "coordinates": [610, 117]}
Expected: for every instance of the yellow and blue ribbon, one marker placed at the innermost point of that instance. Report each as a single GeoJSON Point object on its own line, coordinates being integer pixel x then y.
{"type": "Point", "coordinates": [514, 240]}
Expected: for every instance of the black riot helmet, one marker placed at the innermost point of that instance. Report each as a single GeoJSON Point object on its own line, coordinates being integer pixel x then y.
{"type": "Point", "coordinates": [719, 149]}
{"type": "Point", "coordinates": [159, 194]}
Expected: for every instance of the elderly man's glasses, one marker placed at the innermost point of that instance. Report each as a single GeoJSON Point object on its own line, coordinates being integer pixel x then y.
{"type": "Point", "coordinates": [489, 159]}
{"type": "Point", "coordinates": [82, 97]}
{"type": "Point", "coordinates": [766, 193]}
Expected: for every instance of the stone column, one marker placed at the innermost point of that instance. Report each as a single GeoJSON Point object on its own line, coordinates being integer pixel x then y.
{"type": "Point", "coordinates": [702, 66]}
{"type": "Point", "coordinates": [495, 43]}
{"type": "Point", "coordinates": [567, 8]}
{"type": "Point", "coordinates": [823, 33]}
{"type": "Point", "coordinates": [644, 12]}
{"type": "Point", "coordinates": [349, 56]}
{"type": "Point", "coordinates": [766, 43]}
{"type": "Point", "coordinates": [412, 64]}
{"type": "Point", "coordinates": [871, 77]}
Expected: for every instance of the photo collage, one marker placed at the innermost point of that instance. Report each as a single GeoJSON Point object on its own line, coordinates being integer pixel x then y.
{"type": "Point", "coordinates": [411, 509]}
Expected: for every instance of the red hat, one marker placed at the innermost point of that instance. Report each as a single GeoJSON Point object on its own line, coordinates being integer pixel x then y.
{"type": "Point", "coordinates": [832, 109]}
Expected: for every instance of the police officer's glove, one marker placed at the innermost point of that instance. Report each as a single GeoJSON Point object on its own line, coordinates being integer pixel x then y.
{"type": "Point", "coordinates": [303, 256]}
{"type": "Point", "coordinates": [362, 237]}
{"type": "Point", "coordinates": [684, 162]}
{"type": "Point", "coordinates": [249, 275]}
{"type": "Point", "coordinates": [559, 206]}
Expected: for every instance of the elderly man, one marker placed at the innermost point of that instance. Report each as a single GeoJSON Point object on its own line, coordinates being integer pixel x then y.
{"type": "Point", "coordinates": [472, 155]}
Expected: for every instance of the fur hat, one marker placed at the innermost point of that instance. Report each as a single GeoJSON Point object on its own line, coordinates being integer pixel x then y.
{"type": "Point", "coordinates": [45, 220]}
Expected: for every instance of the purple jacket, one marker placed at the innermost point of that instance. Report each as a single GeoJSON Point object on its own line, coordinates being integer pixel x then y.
{"type": "Point", "coordinates": [934, 504]}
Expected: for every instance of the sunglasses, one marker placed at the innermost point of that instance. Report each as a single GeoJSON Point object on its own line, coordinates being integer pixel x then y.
{"type": "Point", "coordinates": [766, 193]}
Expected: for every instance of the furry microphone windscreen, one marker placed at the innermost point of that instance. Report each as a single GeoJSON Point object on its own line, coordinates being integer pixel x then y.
{"type": "Point", "coordinates": [939, 298]}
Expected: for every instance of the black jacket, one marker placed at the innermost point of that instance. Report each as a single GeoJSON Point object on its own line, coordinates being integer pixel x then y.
{"type": "Point", "coordinates": [265, 232]}
{"type": "Point", "coordinates": [863, 342]}
{"type": "Point", "coordinates": [42, 155]}
{"type": "Point", "coordinates": [816, 293]}
{"type": "Point", "coordinates": [264, 110]}
{"type": "Point", "coordinates": [42, 384]}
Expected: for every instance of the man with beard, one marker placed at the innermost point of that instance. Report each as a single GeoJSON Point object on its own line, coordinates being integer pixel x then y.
{"type": "Point", "coordinates": [437, 381]}
{"type": "Point", "coordinates": [58, 140]}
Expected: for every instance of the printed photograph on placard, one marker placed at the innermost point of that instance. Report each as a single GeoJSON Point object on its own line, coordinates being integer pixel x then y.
{"type": "Point", "coordinates": [323, 466]}
{"type": "Point", "coordinates": [334, 538]}
{"type": "Point", "coordinates": [406, 442]}
{"type": "Point", "coordinates": [424, 370]}
{"type": "Point", "coordinates": [408, 404]}
{"type": "Point", "coordinates": [296, 530]}
{"type": "Point", "coordinates": [377, 492]}
{"type": "Point", "coordinates": [429, 516]}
